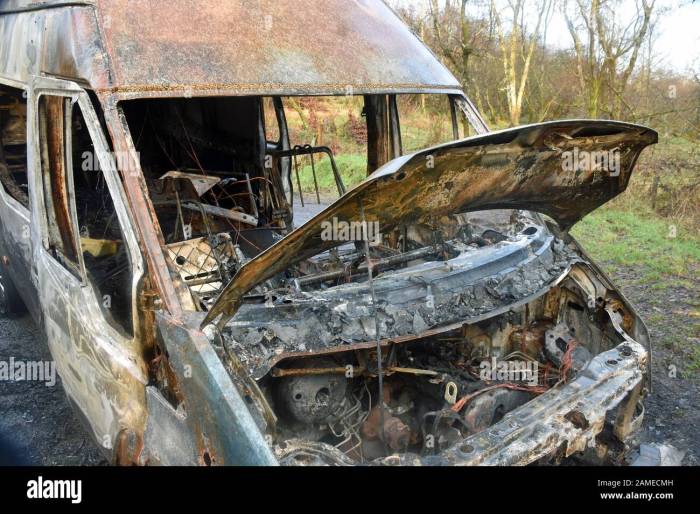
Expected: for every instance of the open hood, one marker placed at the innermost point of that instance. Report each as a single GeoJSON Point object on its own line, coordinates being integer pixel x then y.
{"type": "Point", "coordinates": [564, 169]}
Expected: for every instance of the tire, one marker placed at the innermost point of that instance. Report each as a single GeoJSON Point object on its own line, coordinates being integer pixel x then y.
{"type": "Point", "coordinates": [11, 304]}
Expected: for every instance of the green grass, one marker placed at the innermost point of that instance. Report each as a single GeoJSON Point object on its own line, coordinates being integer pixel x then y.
{"type": "Point", "coordinates": [639, 239]}
{"type": "Point", "coordinates": [352, 168]}
{"type": "Point", "coordinates": [694, 360]}
{"type": "Point", "coordinates": [628, 238]}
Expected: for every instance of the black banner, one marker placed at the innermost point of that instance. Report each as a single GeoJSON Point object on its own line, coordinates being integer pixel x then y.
{"type": "Point", "coordinates": [362, 486]}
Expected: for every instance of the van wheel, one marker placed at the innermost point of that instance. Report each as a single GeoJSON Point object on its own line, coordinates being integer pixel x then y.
{"type": "Point", "coordinates": [11, 304]}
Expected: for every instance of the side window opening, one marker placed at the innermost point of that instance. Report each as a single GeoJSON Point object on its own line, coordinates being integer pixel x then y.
{"type": "Point", "coordinates": [426, 120]}
{"type": "Point", "coordinates": [336, 124]}
{"type": "Point", "coordinates": [272, 128]}
{"type": "Point", "coordinates": [102, 245]}
{"type": "Point", "coordinates": [62, 243]}
{"type": "Point", "coordinates": [203, 160]}
{"type": "Point", "coordinates": [13, 144]}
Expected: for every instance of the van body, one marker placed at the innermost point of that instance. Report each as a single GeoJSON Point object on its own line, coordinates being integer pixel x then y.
{"type": "Point", "coordinates": [153, 228]}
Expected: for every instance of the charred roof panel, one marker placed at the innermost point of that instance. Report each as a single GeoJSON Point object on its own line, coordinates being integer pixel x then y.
{"type": "Point", "coordinates": [14, 6]}
{"type": "Point", "coordinates": [56, 38]}
{"type": "Point", "coordinates": [272, 46]}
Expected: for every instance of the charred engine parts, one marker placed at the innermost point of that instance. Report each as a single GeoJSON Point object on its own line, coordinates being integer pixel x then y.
{"type": "Point", "coordinates": [437, 272]}
{"type": "Point", "coordinates": [386, 426]}
{"type": "Point", "coordinates": [435, 389]}
{"type": "Point", "coordinates": [558, 340]}
{"type": "Point", "coordinates": [312, 399]}
{"type": "Point", "coordinates": [438, 389]}
{"type": "Point", "coordinates": [490, 407]}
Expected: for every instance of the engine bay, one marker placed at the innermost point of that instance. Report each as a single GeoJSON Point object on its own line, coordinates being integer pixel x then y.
{"type": "Point", "coordinates": [436, 390]}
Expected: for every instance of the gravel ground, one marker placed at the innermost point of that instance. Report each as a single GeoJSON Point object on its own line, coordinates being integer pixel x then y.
{"type": "Point", "coordinates": [671, 313]}
{"type": "Point", "coordinates": [40, 421]}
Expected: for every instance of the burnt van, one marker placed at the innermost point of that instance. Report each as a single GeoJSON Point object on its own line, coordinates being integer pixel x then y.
{"type": "Point", "coordinates": [199, 311]}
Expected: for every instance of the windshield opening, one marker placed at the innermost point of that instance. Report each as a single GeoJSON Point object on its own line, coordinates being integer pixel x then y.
{"type": "Point", "coordinates": [230, 176]}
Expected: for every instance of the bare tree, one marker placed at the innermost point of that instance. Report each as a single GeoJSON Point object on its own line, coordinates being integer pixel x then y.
{"type": "Point", "coordinates": [607, 50]}
{"type": "Point", "coordinates": [455, 41]}
{"type": "Point", "coordinates": [517, 48]}
{"type": "Point", "coordinates": [498, 49]}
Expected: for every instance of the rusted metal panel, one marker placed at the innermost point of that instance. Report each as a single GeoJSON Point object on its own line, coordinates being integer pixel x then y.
{"type": "Point", "coordinates": [141, 48]}
{"type": "Point", "coordinates": [102, 370]}
{"type": "Point", "coordinates": [265, 47]}
{"type": "Point", "coordinates": [61, 42]}
{"type": "Point", "coordinates": [105, 383]}
{"type": "Point", "coordinates": [217, 416]}
{"type": "Point", "coordinates": [172, 295]}
{"type": "Point", "coordinates": [519, 168]}
{"type": "Point", "coordinates": [14, 6]}
{"type": "Point", "coordinates": [52, 118]}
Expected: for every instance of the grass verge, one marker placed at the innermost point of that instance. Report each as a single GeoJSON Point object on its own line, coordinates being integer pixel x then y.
{"type": "Point", "coordinates": [657, 266]}
{"type": "Point", "coordinates": [352, 168]}
{"type": "Point", "coordinates": [641, 239]}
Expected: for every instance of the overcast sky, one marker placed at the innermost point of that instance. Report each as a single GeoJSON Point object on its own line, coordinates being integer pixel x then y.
{"type": "Point", "coordinates": [678, 43]}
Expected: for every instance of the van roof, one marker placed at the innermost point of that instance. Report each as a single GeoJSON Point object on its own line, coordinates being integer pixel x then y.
{"type": "Point", "coordinates": [13, 6]}
{"type": "Point", "coordinates": [154, 48]}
